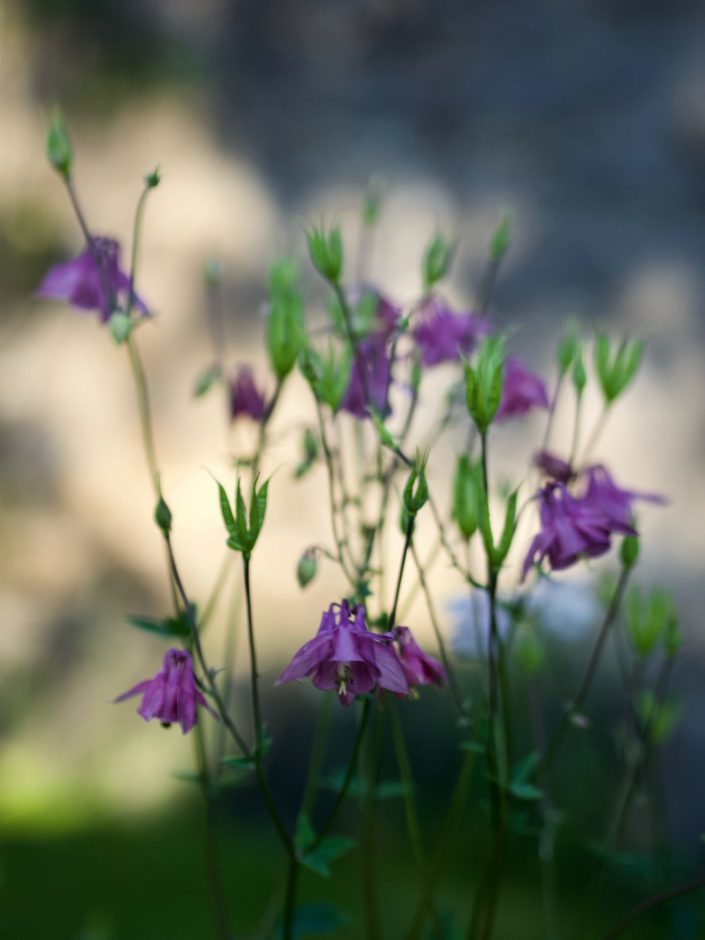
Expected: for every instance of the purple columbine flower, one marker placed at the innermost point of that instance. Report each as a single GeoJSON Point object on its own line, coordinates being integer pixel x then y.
{"type": "Point", "coordinates": [444, 336]}
{"type": "Point", "coordinates": [554, 466]}
{"type": "Point", "coordinates": [172, 695]}
{"type": "Point", "coordinates": [92, 281]}
{"type": "Point", "coordinates": [419, 668]}
{"type": "Point", "coordinates": [245, 398]}
{"type": "Point", "coordinates": [345, 657]}
{"type": "Point", "coordinates": [369, 378]}
{"type": "Point", "coordinates": [614, 502]}
{"type": "Point", "coordinates": [570, 529]}
{"type": "Point", "coordinates": [523, 390]}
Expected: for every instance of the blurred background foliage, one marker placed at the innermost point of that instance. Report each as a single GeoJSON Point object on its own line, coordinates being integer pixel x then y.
{"type": "Point", "coordinates": [586, 120]}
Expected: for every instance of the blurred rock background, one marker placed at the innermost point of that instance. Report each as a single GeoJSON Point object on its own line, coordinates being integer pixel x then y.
{"type": "Point", "coordinates": [586, 121]}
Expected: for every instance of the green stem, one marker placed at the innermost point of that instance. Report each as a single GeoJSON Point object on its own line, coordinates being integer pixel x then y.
{"type": "Point", "coordinates": [663, 897]}
{"type": "Point", "coordinates": [586, 685]}
{"type": "Point", "coordinates": [257, 720]}
{"type": "Point", "coordinates": [397, 590]}
{"type": "Point", "coordinates": [347, 779]}
{"type": "Point", "coordinates": [450, 827]}
{"type": "Point", "coordinates": [453, 684]}
{"type": "Point", "coordinates": [218, 898]}
{"type": "Point", "coordinates": [369, 827]}
{"type": "Point", "coordinates": [315, 763]}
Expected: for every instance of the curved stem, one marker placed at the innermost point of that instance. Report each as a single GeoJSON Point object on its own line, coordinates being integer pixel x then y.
{"type": "Point", "coordinates": [347, 779]}
{"type": "Point", "coordinates": [586, 684]}
{"type": "Point", "coordinates": [663, 897]}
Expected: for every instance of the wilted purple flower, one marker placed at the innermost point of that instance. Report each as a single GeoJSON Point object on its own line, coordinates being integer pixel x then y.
{"type": "Point", "coordinates": [92, 281]}
{"type": "Point", "coordinates": [419, 668]}
{"type": "Point", "coordinates": [570, 529]}
{"type": "Point", "coordinates": [522, 390]}
{"type": "Point", "coordinates": [553, 466]}
{"type": "Point", "coordinates": [172, 695]}
{"type": "Point", "coordinates": [443, 336]}
{"type": "Point", "coordinates": [369, 377]}
{"type": "Point", "coordinates": [614, 502]}
{"type": "Point", "coordinates": [245, 397]}
{"type": "Point", "coordinates": [344, 656]}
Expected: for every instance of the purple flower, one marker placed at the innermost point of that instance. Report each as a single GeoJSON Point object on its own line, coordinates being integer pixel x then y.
{"type": "Point", "coordinates": [522, 391]}
{"type": "Point", "coordinates": [570, 529]}
{"type": "Point", "coordinates": [245, 397]}
{"type": "Point", "coordinates": [554, 466]}
{"type": "Point", "coordinates": [344, 656]}
{"type": "Point", "coordinates": [614, 502]}
{"type": "Point", "coordinates": [369, 377]}
{"type": "Point", "coordinates": [172, 695]}
{"type": "Point", "coordinates": [443, 336]}
{"type": "Point", "coordinates": [92, 281]}
{"type": "Point", "coordinates": [419, 668]}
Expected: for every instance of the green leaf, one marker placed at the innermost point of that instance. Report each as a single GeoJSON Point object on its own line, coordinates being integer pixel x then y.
{"type": "Point", "coordinates": [206, 380]}
{"type": "Point", "coordinates": [327, 851]}
{"type": "Point", "coordinates": [304, 834]}
{"type": "Point", "coordinates": [226, 511]}
{"type": "Point", "coordinates": [168, 626]}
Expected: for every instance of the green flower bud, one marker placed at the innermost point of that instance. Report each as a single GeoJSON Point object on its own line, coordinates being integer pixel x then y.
{"type": "Point", "coordinates": [672, 636]}
{"type": "Point", "coordinates": [285, 332]}
{"type": "Point", "coordinates": [326, 251]}
{"type": "Point", "coordinates": [437, 260]}
{"type": "Point", "coordinates": [467, 495]}
{"type": "Point", "coordinates": [499, 243]}
{"type": "Point", "coordinates": [243, 533]}
{"type": "Point", "coordinates": [568, 350]}
{"type": "Point", "coordinates": [120, 326]}
{"type": "Point", "coordinates": [58, 146]}
{"type": "Point", "coordinates": [153, 179]}
{"type": "Point", "coordinates": [615, 371]}
{"type": "Point", "coordinates": [483, 383]}
{"type": "Point", "coordinates": [647, 620]}
{"type": "Point", "coordinates": [416, 489]}
{"type": "Point", "coordinates": [162, 516]}
{"type": "Point", "coordinates": [373, 201]}
{"type": "Point", "coordinates": [307, 567]}
{"type": "Point", "coordinates": [629, 551]}
{"type": "Point", "coordinates": [579, 374]}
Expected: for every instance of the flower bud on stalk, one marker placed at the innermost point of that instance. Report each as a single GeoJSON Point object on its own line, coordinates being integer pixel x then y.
{"type": "Point", "coordinates": [307, 567]}
{"type": "Point", "coordinates": [326, 251]}
{"type": "Point", "coordinates": [416, 489]}
{"type": "Point", "coordinates": [483, 383]}
{"type": "Point", "coordinates": [58, 146]}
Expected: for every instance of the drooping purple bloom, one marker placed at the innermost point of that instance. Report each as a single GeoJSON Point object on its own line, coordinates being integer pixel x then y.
{"type": "Point", "coordinates": [522, 391]}
{"type": "Point", "coordinates": [554, 466]}
{"type": "Point", "coordinates": [172, 695]}
{"type": "Point", "coordinates": [615, 503]}
{"type": "Point", "coordinates": [443, 336]}
{"type": "Point", "coordinates": [369, 378]}
{"type": "Point", "coordinates": [92, 281]}
{"type": "Point", "coordinates": [419, 668]}
{"type": "Point", "coordinates": [345, 657]}
{"type": "Point", "coordinates": [245, 398]}
{"type": "Point", "coordinates": [570, 529]}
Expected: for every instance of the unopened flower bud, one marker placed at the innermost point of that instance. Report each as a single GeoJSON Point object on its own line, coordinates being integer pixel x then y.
{"type": "Point", "coordinates": [307, 567]}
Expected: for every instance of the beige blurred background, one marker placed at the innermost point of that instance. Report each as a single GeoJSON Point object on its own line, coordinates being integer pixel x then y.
{"type": "Point", "coordinates": [590, 130]}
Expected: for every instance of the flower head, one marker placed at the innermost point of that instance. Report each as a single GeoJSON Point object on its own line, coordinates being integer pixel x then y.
{"type": "Point", "coordinates": [369, 380]}
{"type": "Point", "coordinates": [92, 281]}
{"type": "Point", "coordinates": [443, 336]}
{"type": "Point", "coordinates": [345, 657]}
{"type": "Point", "coordinates": [245, 398]}
{"type": "Point", "coordinates": [522, 390]}
{"type": "Point", "coordinates": [419, 668]}
{"type": "Point", "coordinates": [172, 695]}
{"type": "Point", "coordinates": [570, 529]}
{"type": "Point", "coordinates": [614, 502]}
